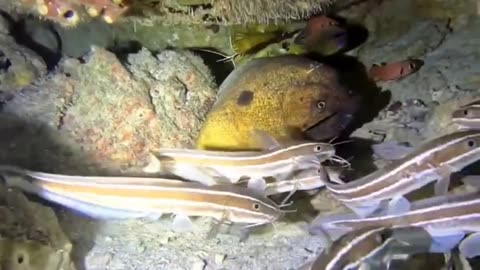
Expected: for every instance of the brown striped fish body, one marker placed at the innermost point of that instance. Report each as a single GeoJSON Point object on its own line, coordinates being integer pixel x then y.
{"type": "Point", "coordinates": [432, 162]}
{"type": "Point", "coordinates": [213, 167]}
{"type": "Point", "coordinates": [446, 218]}
{"type": "Point", "coordinates": [349, 251]}
{"type": "Point", "coordinates": [134, 197]}
{"type": "Point", "coordinates": [467, 116]}
{"type": "Point", "coordinates": [368, 246]}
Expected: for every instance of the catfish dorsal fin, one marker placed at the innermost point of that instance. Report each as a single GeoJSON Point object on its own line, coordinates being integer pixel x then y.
{"type": "Point", "coordinates": [269, 143]}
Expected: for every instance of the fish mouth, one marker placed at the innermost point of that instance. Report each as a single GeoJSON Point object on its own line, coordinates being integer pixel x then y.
{"type": "Point", "coordinates": [330, 126]}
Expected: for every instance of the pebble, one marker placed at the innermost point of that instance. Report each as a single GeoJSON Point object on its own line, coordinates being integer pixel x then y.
{"type": "Point", "coordinates": [219, 259]}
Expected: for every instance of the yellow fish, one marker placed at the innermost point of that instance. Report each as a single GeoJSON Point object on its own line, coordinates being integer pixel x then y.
{"type": "Point", "coordinates": [276, 95]}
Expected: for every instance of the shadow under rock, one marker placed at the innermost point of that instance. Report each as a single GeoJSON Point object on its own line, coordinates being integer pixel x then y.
{"type": "Point", "coordinates": [35, 147]}
{"type": "Point", "coordinates": [219, 67]}
{"type": "Point", "coordinates": [359, 154]}
{"type": "Point", "coordinates": [49, 51]}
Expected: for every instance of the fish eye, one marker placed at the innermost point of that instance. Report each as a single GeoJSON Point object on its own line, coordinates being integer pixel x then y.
{"type": "Point", "coordinates": [471, 143]}
{"type": "Point", "coordinates": [321, 105]}
{"type": "Point", "coordinates": [69, 14]}
{"type": "Point", "coordinates": [318, 148]}
{"type": "Point", "coordinates": [465, 112]}
{"type": "Point", "coordinates": [412, 66]}
{"type": "Point", "coordinates": [256, 206]}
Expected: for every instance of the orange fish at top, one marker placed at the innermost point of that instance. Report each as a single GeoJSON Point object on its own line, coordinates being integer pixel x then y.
{"type": "Point", "coordinates": [322, 34]}
{"type": "Point", "coordinates": [315, 26]}
{"type": "Point", "coordinates": [394, 71]}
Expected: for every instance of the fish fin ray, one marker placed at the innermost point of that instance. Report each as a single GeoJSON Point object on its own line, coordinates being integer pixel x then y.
{"type": "Point", "coordinates": [257, 184]}
{"type": "Point", "coordinates": [470, 246]}
{"type": "Point", "coordinates": [182, 223]}
{"type": "Point", "coordinates": [442, 185]}
{"type": "Point", "coordinates": [444, 241]}
{"type": "Point", "coordinates": [266, 141]}
{"type": "Point", "coordinates": [366, 209]}
{"type": "Point", "coordinates": [153, 166]}
{"type": "Point", "coordinates": [398, 205]}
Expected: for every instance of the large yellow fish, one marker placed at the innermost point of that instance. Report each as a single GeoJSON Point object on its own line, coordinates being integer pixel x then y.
{"type": "Point", "coordinates": [276, 95]}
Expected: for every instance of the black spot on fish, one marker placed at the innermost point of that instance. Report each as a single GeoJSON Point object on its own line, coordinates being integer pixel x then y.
{"type": "Point", "coordinates": [245, 98]}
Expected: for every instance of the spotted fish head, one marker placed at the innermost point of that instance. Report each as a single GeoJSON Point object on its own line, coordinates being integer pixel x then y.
{"type": "Point", "coordinates": [326, 106]}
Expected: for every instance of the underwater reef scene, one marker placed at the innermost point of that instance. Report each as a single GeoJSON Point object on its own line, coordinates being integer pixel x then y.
{"type": "Point", "coordinates": [242, 135]}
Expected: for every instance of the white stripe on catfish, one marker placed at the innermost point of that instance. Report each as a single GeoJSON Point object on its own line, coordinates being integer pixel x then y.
{"type": "Point", "coordinates": [131, 197]}
{"type": "Point", "coordinates": [447, 219]}
{"type": "Point", "coordinates": [434, 161]}
{"type": "Point", "coordinates": [370, 245]}
{"type": "Point", "coordinates": [213, 167]}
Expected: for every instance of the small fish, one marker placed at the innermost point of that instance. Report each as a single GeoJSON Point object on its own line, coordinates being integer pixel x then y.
{"type": "Point", "coordinates": [322, 35]}
{"type": "Point", "coordinates": [247, 39]}
{"type": "Point", "coordinates": [139, 197]}
{"type": "Point", "coordinates": [368, 246]}
{"type": "Point", "coordinates": [447, 219]}
{"type": "Point", "coordinates": [434, 161]}
{"type": "Point", "coordinates": [467, 116]}
{"type": "Point", "coordinates": [314, 27]}
{"type": "Point", "coordinates": [214, 167]}
{"type": "Point", "coordinates": [394, 71]}
{"type": "Point", "coordinates": [245, 43]}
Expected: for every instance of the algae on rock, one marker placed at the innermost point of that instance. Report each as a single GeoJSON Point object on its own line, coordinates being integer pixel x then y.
{"type": "Point", "coordinates": [30, 235]}
{"type": "Point", "coordinates": [103, 116]}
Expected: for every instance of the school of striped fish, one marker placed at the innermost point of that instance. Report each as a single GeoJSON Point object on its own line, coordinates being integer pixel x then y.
{"type": "Point", "coordinates": [235, 187]}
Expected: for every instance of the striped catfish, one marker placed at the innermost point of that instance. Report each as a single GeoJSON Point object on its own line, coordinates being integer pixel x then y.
{"type": "Point", "coordinates": [212, 167]}
{"type": "Point", "coordinates": [434, 161]}
{"type": "Point", "coordinates": [136, 197]}
{"type": "Point", "coordinates": [446, 218]}
{"type": "Point", "coordinates": [371, 248]}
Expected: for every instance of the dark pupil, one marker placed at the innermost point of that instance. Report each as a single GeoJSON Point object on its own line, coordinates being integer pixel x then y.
{"type": "Point", "coordinates": [318, 148]}
{"type": "Point", "coordinates": [412, 66]}
{"type": "Point", "coordinates": [320, 105]}
{"type": "Point", "coordinates": [471, 143]}
{"type": "Point", "coordinates": [465, 112]}
{"type": "Point", "coordinates": [20, 259]}
{"type": "Point", "coordinates": [68, 14]}
{"type": "Point", "coordinates": [256, 206]}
